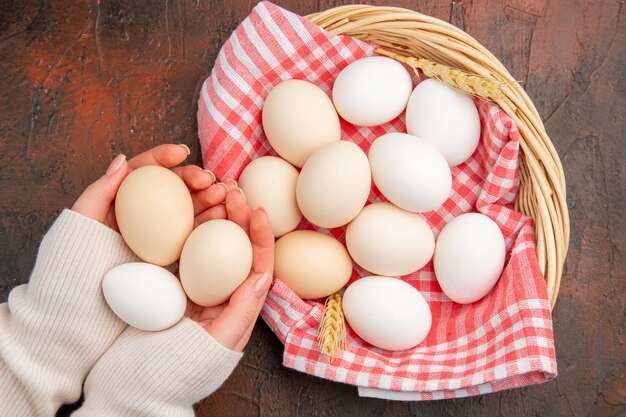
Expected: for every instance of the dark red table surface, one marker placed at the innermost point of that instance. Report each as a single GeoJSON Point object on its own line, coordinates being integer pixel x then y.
{"type": "Point", "coordinates": [83, 81]}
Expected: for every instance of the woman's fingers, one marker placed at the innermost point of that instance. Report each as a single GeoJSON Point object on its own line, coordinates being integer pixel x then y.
{"type": "Point", "coordinates": [232, 327]}
{"type": "Point", "coordinates": [205, 199]}
{"type": "Point", "coordinates": [231, 184]}
{"type": "Point", "coordinates": [110, 220]}
{"type": "Point", "coordinates": [195, 177]}
{"type": "Point", "coordinates": [167, 156]}
{"type": "Point", "coordinates": [237, 208]}
{"type": "Point", "coordinates": [239, 347]}
{"type": "Point", "coordinates": [215, 212]}
{"type": "Point", "coordinates": [203, 315]}
{"type": "Point", "coordinates": [204, 194]}
{"type": "Point", "coordinates": [96, 200]}
{"type": "Point", "coordinates": [262, 238]}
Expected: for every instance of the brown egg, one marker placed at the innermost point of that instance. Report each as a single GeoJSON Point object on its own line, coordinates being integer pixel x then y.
{"type": "Point", "coordinates": [298, 118]}
{"type": "Point", "coordinates": [154, 213]}
{"type": "Point", "coordinates": [216, 259]}
{"type": "Point", "coordinates": [270, 182]}
{"type": "Point", "coordinates": [312, 264]}
{"type": "Point", "coordinates": [334, 184]}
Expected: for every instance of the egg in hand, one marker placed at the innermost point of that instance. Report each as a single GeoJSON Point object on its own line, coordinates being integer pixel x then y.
{"type": "Point", "coordinates": [216, 259]}
{"type": "Point", "coordinates": [154, 213]}
{"type": "Point", "coordinates": [144, 296]}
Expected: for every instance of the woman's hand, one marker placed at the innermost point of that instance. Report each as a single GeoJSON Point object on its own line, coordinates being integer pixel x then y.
{"type": "Point", "coordinates": [231, 323]}
{"type": "Point", "coordinates": [97, 200]}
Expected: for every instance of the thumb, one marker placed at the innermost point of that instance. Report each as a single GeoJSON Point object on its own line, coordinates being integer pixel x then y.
{"type": "Point", "coordinates": [96, 200]}
{"type": "Point", "coordinates": [232, 328]}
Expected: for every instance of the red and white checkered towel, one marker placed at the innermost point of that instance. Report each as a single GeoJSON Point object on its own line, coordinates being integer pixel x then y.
{"type": "Point", "coordinates": [502, 341]}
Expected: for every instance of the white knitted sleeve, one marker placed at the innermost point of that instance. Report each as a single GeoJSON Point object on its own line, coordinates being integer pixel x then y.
{"type": "Point", "coordinates": [55, 328]}
{"type": "Point", "coordinates": [155, 374]}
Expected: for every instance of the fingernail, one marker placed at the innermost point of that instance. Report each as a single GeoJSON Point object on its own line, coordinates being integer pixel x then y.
{"type": "Point", "coordinates": [208, 171]}
{"type": "Point", "coordinates": [224, 186]}
{"type": "Point", "coordinates": [115, 164]}
{"type": "Point", "coordinates": [182, 145]}
{"type": "Point", "coordinates": [242, 194]}
{"type": "Point", "coordinates": [231, 184]}
{"type": "Point", "coordinates": [262, 285]}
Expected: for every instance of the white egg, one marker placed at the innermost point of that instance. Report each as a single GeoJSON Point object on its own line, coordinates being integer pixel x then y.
{"type": "Point", "coordinates": [469, 257]}
{"type": "Point", "coordinates": [410, 172]}
{"type": "Point", "coordinates": [145, 296]}
{"type": "Point", "coordinates": [386, 240]}
{"type": "Point", "coordinates": [334, 184]}
{"type": "Point", "coordinates": [270, 182]}
{"type": "Point", "coordinates": [445, 117]}
{"type": "Point", "coordinates": [372, 91]}
{"type": "Point", "coordinates": [387, 312]}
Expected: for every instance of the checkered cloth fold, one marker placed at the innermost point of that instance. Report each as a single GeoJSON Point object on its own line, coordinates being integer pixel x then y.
{"type": "Point", "coordinates": [502, 341]}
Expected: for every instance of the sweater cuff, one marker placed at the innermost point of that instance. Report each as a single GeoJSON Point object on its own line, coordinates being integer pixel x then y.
{"type": "Point", "coordinates": [158, 373]}
{"type": "Point", "coordinates": [77, 247]}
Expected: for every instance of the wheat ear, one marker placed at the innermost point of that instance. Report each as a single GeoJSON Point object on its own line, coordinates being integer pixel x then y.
{"type": "Point", "coordinates": [464, 81]}
{"type": "Point", "coordinates": [332, 330]}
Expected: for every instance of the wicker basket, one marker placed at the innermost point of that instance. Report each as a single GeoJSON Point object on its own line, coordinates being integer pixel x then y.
{"type": "Point", "coordinates": [542, 184]}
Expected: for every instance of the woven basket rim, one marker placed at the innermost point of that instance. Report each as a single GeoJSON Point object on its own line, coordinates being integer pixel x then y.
{"type": "Point", "coordinates": [542, 191]}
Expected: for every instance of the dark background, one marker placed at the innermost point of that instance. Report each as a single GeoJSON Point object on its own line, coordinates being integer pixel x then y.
{"type": "Point", "coordinates": [83, 81]}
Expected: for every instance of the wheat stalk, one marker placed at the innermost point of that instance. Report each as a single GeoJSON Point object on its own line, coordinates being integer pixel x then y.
{"type": "Point", "coordinates": [473, 84]}
{"type": "Point", "coordinates": [332, 330]}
